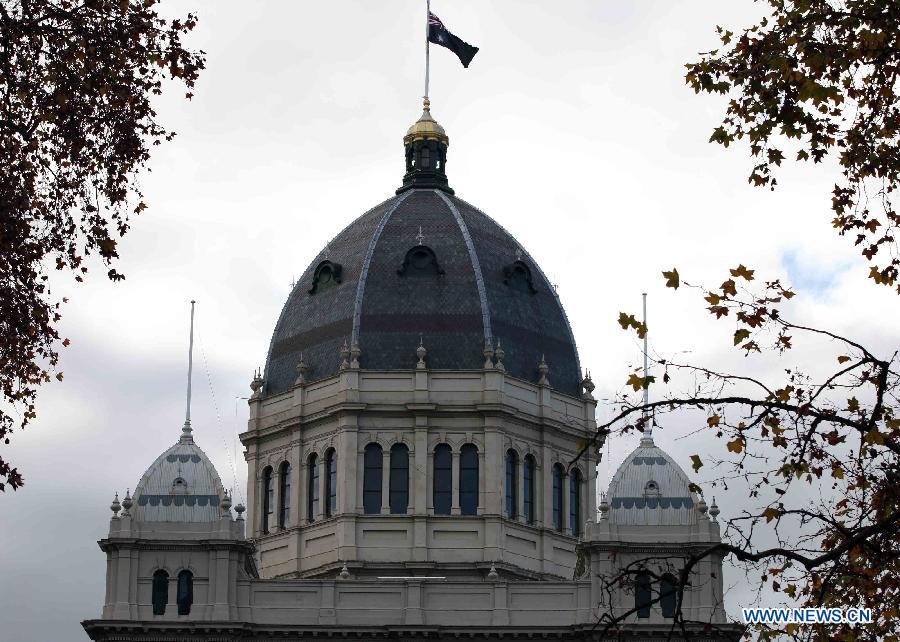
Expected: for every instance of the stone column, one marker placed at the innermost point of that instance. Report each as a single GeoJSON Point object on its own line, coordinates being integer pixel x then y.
{"type": "Point", "coordinates": [420, 481]}
{"type": "Point", "coordinates": [385, 481]}
{"type": "Point", "coordinates": [454, 507]}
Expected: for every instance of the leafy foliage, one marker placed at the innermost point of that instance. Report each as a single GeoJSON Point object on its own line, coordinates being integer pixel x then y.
{"type": "Point", "coordinates": [821, 74]}
{"type": "Point", "coordinates": [76, 125]}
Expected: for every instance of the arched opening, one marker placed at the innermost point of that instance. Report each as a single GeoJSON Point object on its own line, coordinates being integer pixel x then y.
{"type": "Point", "coordinates": [268, 498]}
{"type": "Point", "coordinates": [330, 483]}
{"type": "Point", "coordinates": [643, 594]}
{"type": "Point", "coordinates": [160, 592]}
{"type": "Point", "coordinates": [284, 494]}
{"type": "Point", "coordinates": [312, 488]}
{"type": "Point", "coordinates": [372, 473]}
{"type": "Point", "coordinates": [399, 479]}
{"type": "Point", "coordinates": [559, 476]}
{"type": "Point", "coordinates": [528, 476]}
{"type": "Point", "coordinates": [185, 594]}
{"type": "Point", "coordinates": [442, 496]}
{"type": "Point", "coordinates": [468, 479]}
{"type": "Point", "coordinates": [575, 502]}
{"type": "Point", "coordinates": [512, 483]}
{"type": "Point", "coordinates": [668, 595]}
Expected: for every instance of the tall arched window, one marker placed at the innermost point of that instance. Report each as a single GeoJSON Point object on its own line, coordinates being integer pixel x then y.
{"type": "Point", "coordinates": [575, 501]}
{"type": "Point", "coordinates": [426, 157]}
{"type": "Point", "coordinates": [312, 488]}
{"type": "Point", "coordinates": [330, 483]}
{"type": "Point", "coordinates": [185, 595]}
{"type": "Point", "coordinates": [528, 470]}
{"type": "Point", "coordinates": [667, 594]}
{"type": "Point", "coordinates": [284, 493]}
{"type": "Point", "coordinates": [468, 480]}
{"type": "Point", "coordinates": [643, 594]}
{"type": "Point", "coordinates": [160, 592]}
{"type": "Point", "coordinates": [512, 484]}
{"type": "Point", "coordinates": [559, 476]}
{"type": "Point", "coordinates": [372, 472]}
{"type": "Point", "coordinates": [268, 498]}
{"type": "Point", "coordinates": [399, 479]}
{"type": "Point", "coordinates": [443, 479]}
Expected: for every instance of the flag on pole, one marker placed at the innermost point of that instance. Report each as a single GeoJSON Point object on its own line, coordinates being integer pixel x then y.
{"type": "Point", "coordinates": [438, 34]}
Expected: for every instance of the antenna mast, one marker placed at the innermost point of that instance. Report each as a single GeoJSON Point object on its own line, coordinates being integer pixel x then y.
{"type": "Point", "coordinates": [648, 428]}
{"type": "Point", "coordinates": [186, 430]}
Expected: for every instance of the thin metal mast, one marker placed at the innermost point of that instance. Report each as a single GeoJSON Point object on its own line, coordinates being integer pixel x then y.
{"type": "Point", "coordinates": [186, 431]}
{"type": "Point", "coordinates": [427, 48]}
{"type": "Point", "coordinates": [648, 428]}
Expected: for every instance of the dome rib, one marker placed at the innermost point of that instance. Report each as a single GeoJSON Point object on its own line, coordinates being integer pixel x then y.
{"type": "Point", "coordinates": [476, 267]}
{"type": "Point", "coordinates": [540, 272]}
{"type": "Point", "coordinates": [364, 271]}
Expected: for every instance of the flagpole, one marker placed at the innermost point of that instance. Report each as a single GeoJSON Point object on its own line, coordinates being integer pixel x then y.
{"type": "Point", "coordinates": [427, 48]}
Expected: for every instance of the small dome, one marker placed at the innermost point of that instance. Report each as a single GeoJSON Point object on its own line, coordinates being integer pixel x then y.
{"type": "Point", "coordinates": [182, 485]}
{"type": "Point", "coordinates": [426, 128]}
{"type": "Point", "coordinates": [650, 489]}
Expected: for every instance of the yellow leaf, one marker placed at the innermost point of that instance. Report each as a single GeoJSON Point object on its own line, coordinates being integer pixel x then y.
{"type": "Point", "coordinates": [713, 421]}
{"type": "Point", "coordinates": [696, 464]}
{"type": "Point", "coordinates": [743, 272]}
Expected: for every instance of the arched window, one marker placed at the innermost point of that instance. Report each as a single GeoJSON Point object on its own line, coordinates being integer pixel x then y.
{"type": "Point", "coordinates": [284, 492]}
{"type": "Point", "coordinates": [468, 480]}
{"type": "Point", "coordinates": [160, 592]}
{"type": "Point", "coordinates": [575, 501]}
{"type": "Point", "coordinates": [558, 483]}
{"type": "Point", "coordinates": [330, 483]}
{"type": "Point", "coordinates": [312, 489]}
{"type": "Point", "coordinates": [372, 472]}
{"type": "Point", "coordinates": [512, 483]}
{"type": "Point", "coordinates": [443, 479]}
{"type": "Point", "coordinates": [643, 594]}
{"type": "Point", "coordinates": [399, 480]}
{"type": "Point", "coordinates": [268, 498]}
{"type": "Point", "coordinates": [667, 594]}
{"type": "Point", "coordinates": [185, 595]}
{"type": "Point", "coordinates": [528, 471]}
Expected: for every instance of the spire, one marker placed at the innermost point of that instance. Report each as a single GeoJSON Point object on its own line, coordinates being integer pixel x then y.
{"type": "Point", "coordinates": [426, 145]}
{"type": "Point", "coordinates": [186, 430]}
{"type": "Point", "coordinates": [647, 439]}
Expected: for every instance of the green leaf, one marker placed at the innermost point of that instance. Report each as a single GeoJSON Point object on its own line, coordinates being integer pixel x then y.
{"type": "Point", "coordinates": [741, 335]}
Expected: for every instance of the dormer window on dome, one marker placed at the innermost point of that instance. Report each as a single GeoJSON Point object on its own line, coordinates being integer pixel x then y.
{"type": "Point", "coordinates": [179, 486]}
{"type": "Point", "coordinates": [651, 489]}
{"type": "Point", "coordinates": [420, 261]}
{"type": "Point", "coordinates": [326, 276]}
{"type": "Point", "coordinates": [517, 275]}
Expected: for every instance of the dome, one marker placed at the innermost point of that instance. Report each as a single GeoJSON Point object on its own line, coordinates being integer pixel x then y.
{"type": "Point", "coordinates": [423, 263]}
{"type": "Point", "coordinates": [649, 488]}
{"type": "Point", "coordinates": [182, 485]}
{"type": "Point", "coordinates": [426, 128]}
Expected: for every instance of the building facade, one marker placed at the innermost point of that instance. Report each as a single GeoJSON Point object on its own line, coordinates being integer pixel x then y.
{"type": "Point", "coordinates": [419, 463]}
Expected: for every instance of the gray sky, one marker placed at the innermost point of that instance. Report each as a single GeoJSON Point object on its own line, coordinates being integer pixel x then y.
{"type": "Point", "coordinates": [572, 128]}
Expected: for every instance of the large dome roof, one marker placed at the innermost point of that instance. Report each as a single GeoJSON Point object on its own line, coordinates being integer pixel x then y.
{"type": "Point", "coordinates": [423, 263]}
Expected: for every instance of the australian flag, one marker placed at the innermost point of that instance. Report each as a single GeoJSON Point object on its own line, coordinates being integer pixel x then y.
{"type": "Point", "coordinates": [438, 34]}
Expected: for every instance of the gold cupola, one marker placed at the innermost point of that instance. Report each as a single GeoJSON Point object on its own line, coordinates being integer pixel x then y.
{"type": "Point", "coordinates": [426, 145]}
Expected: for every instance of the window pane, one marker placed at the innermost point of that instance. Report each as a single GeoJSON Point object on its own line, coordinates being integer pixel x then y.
{"type": "Point", "coordinates": [642, 595]}
{"type": "Point", "coordinates": [185, 592]}
{"type": "Point", "coordinates": [468, 480]}
{"type": "Point", "coordinates": [312, 499]}
{"type": "Point", "coordinates": [443, 479]}
{"type": "Point", "coordinates": [528, 479]}
{"type": "Point", "coordinates": [285, 494]}
{"type": "Point", "coordinates": [575, 502]}
{"type": "Point", "coordinates": [558, 475]}
{"type": "Point", "coordinates": [268, 499]}
{"type": "Point", "coordinates": [372, 462]}
{"type": "Point", "coordinates": [667, 597]}
{"type": "Point", "coordinates": [331, 481]}
{"type": "Point", "coordinates": [160, 592]}
{"type": "Point", "coordinates": [399, 481]}
{"type": "Point", "coordinates": [512, 483]}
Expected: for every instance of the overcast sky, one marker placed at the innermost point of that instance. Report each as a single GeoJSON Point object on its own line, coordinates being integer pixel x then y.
{"type": "Point", "coordinates": [572, 128]}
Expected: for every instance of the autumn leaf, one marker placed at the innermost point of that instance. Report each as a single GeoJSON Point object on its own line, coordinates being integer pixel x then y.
{"type": "Point", "coordinates": [771, 513]}
{"type": "Point", "coordinates": [672, 279]}
{"type": "Point", "coordinates": [843, 359]}
{"type": "Point", "coordinates": [713, 421]}
{"type": "Point", "coordinates": [736, 446]}
{"type": "Point", "coordinates": [742, 272]}
{"type": "Point", "coordinates": [741, 335]}
{"type": "Point", "coordinates": [637, 382]}
{"type": "Point", "coordinates": [696, 464]}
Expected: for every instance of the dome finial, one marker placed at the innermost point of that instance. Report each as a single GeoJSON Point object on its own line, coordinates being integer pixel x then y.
{"type": "Point", "coordinates": [186, 430]}
{"type": "Point", "coordinates": [426, 145]}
